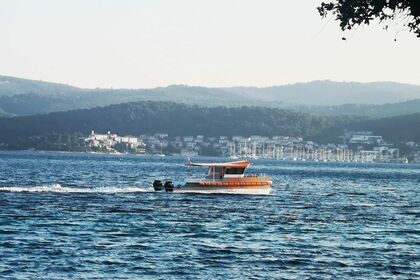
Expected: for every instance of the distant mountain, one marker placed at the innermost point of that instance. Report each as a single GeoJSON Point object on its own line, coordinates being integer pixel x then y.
{"type": "Point", "coordinates": [15, 86]}
{"type": "Point", "coordinates": [28, 97]}
{"type": "Point", "coordinates": [372, 111]}
{"type": "Point", "coordinates": [319, 93]}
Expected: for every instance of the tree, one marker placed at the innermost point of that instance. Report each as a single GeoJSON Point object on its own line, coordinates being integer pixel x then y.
{"type": "Point", "coordinates": [351, 13]}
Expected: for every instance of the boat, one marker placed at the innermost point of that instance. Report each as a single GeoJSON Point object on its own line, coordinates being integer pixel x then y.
{"type": "Point", "coordinates": [228, 177]}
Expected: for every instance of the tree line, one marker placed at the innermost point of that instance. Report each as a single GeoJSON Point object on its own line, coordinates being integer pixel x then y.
{"type": "Point", "coordinates": [177, 119]}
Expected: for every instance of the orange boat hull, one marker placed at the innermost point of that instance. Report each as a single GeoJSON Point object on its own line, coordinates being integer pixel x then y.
{"type": "Point", "coordinates": [251, 185]}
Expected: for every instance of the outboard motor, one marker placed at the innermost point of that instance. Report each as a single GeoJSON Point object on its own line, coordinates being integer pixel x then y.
{"type": "Point", "coordinates": [169, 187]}
{"type": "Point", "coordinates": [157, 185]}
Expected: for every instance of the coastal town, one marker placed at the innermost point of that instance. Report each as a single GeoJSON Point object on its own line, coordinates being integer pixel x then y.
{"type": "Point", "coordinates": [356, 146]}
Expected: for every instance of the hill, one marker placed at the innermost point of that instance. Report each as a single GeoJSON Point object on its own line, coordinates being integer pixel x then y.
{"type": "Point", "coordinates": [179, 120]}
{"type": "Point", "coordinates": [396, 129]}
{"type": "Point", "coordinates": [176, 119]}
{"type": "Point", "coordinates": [319, 93]}
{"type": "Point", "coordinates": [371, 111]}
{"type": "Point", "coordinates": [28, 97]}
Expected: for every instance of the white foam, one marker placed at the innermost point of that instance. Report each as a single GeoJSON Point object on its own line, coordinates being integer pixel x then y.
{"type": "Point", "coordinates": [57, 188]}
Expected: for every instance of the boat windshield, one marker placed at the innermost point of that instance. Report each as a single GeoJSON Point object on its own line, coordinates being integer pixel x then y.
{"type": "Point", "coordinates": [234, 171]}
{"type": "Point", "coordinates": [215, 172]}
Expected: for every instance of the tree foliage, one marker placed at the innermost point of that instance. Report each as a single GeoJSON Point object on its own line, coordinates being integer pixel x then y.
{"type": "Point", "coordinates": [351, 13]}
{"type": "Point", "coordinates": [172, 118]}
{"type": "Point", "coordinates": [63, 130]}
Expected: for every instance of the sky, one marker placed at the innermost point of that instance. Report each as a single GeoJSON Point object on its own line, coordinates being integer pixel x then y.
{"type": "Point", "coordinates": [216, 43]}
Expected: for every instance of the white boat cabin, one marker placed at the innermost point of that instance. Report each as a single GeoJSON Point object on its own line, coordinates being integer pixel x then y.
{"type": "Point", "coordinates": [218, 171]}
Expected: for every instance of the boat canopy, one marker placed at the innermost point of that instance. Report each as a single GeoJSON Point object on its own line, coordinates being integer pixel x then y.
{"type": "Point", "coordinates": [232, 164]}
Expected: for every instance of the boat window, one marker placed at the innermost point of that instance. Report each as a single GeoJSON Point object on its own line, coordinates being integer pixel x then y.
{"type": "Point", "coordinates": [235, 171]}
{"type": "Point", "coordinates": [215, 172]}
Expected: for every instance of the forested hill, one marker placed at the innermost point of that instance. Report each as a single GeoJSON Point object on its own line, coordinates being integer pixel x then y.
{"type": "Point", "coordinates": [372, 111]}
{"type": "Point", "coordinates": [396, 129]}
{"type": "Point", "coordinates": [180, 119]}
{"type": "Point", "coordinates": [176, 119]}
{"type": "Point", "coordinates": [28, 97]}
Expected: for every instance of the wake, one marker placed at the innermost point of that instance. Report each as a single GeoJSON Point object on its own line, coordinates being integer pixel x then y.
{"type": "Point", "coordinates": [57, 188]}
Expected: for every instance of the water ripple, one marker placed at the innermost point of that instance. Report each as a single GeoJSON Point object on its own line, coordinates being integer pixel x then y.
{"type": "Point", "coordinates": [95, 217]}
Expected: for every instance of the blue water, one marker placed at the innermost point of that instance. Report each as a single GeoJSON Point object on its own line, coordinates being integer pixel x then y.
{"type": "Point", "coordinates": [323, 220]}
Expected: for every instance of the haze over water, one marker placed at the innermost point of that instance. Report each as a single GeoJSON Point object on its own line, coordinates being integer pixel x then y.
{"type": "Point", "coordinates": [323, 220]}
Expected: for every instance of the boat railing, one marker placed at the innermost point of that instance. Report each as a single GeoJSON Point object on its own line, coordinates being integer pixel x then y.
{"type": "Point", "coordinates": [198, 177]}
{"type": "Point", "coordinates": [262, 175]}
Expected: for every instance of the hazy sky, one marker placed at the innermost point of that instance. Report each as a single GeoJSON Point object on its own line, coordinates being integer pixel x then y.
{"type": "Point", "coordinates": [152, 43]}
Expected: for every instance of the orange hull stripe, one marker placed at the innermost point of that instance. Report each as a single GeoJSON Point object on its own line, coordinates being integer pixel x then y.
{"type": "Point", "coordinates": [230, 185]}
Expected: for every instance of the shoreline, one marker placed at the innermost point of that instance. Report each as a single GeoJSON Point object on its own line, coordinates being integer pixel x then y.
{"type": "Point", "coordinates": [199, 156]}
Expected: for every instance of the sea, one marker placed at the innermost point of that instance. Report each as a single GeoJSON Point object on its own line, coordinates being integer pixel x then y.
{"type": "Point", "coordinates": [95, 216]}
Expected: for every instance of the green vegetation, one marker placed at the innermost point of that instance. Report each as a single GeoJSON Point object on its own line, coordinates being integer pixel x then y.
{"type": "Point", "coordinates": [371, 111]}
{"type": "Point", "coordinates": [352, 13]}
{"type": "Point", "coordinates": [63, 130]}
{"type": "Point", "coordinates": [47, 142]}
{"type": "Point", "coordinates": [27, 97]}
{"type": "Point", "coordinates": [175, 119]}
{"type": "Point", "coordinates": [395, 129]}
{"type": "Point", "coordinates": [59, 130]}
